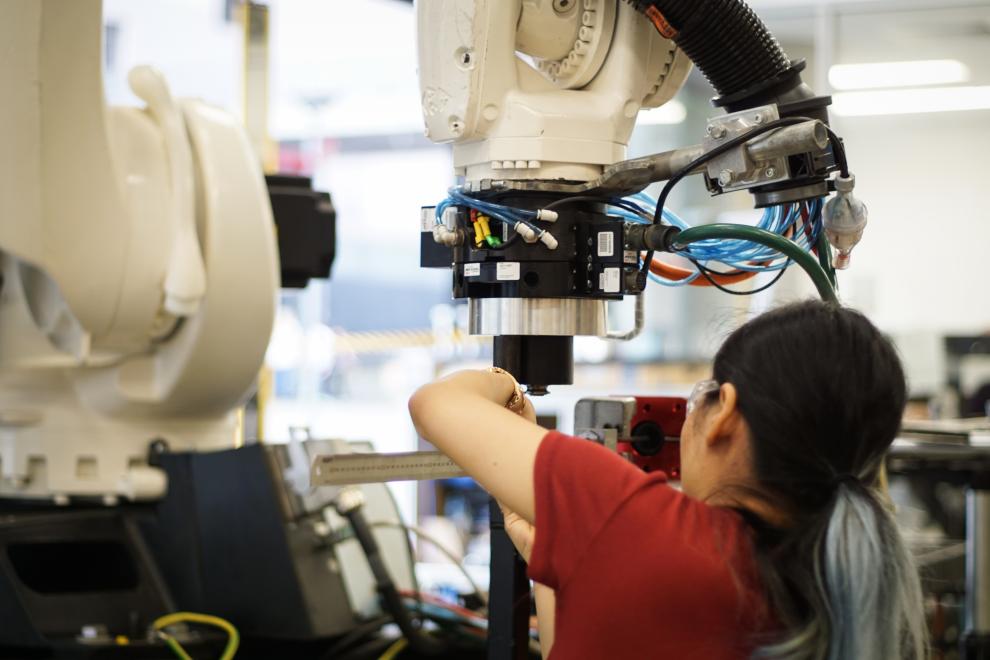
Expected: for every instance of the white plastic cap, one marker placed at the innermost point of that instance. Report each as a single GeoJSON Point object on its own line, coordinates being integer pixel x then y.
{"type": "Point", "coordinates": [526, 232]}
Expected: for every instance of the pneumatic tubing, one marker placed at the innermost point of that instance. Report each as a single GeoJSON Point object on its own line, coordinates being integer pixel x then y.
{"type": "Point", "coordinates": [783, 245]}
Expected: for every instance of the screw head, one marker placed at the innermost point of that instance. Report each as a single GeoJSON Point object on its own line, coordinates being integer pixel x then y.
{"type": "Point", "coordinates": [726, 177]}
{"type": "Point", "coordinates": [717, 132]}
{"type": "Point", "coordinates": [771, 172]}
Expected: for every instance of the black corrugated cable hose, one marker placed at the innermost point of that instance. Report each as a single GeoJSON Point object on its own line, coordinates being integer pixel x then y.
{"type": "Point", "coordinates": [419, 640]}
{"type": "Point", "coordinates": [725, 39]}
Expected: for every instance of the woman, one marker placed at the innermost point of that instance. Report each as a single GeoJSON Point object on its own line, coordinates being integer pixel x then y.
{"type": "Point", "coordinates": [778, 544]}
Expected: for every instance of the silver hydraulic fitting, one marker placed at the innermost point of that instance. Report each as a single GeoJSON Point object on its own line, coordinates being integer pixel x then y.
{"type": "Point", "coordinates": [447, 232]}
{"type": "Point", "coordinates": [844, 220]}
{"type": "Point", "coordinates": [443, 235]}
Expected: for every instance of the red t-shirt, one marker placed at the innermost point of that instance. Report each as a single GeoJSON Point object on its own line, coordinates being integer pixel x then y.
{"type": "Point", "coordinates": [640, 570]}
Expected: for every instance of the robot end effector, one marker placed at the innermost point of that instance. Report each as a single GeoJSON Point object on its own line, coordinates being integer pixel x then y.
{"type": "Point", "coordinates": [537, 145]}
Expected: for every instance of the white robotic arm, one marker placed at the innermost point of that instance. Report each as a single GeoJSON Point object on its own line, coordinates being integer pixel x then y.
{"type": "Point", "coordinates": [540, 89]}
{"type": "Point", "coordinates": [539, 98]}
{"type": "Point", "coordinates": [139, 266]}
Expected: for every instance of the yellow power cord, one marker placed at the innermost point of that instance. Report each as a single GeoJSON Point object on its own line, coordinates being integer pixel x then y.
{"type": "Point", "coordinates": [393, 651]}
{"type": "Point", "coordinates": [233, 638]}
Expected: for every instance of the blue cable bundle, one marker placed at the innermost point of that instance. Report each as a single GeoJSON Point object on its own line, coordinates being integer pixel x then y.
{"type": "Point", "coordinates": [501, 212]}
{"type": "Point", "coordinates": [737, 254]}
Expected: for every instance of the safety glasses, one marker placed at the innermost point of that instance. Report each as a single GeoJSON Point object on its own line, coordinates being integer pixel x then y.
{"type": "Point", "coordinates": [699, 392]}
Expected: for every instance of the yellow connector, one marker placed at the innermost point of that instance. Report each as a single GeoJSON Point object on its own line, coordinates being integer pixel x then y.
{"type": "Point", "coordinates": [485, 229]}
{"type": "Point", "coordinates": [479, 235]}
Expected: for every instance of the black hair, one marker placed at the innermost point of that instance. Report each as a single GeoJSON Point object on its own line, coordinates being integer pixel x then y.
{"type": "Point", "coordinates": [822, 392]}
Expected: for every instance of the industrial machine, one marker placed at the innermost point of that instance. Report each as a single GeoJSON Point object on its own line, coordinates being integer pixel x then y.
{"type": "Point", "coordinates": [549, 224]}
{"type": "Point", "coordinates": [645, 430]}
{"type": "Point", "coordinates": [140, 268]}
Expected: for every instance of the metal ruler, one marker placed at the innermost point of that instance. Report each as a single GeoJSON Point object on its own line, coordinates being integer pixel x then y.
{"type": "Point", "coordinates": [350, 469]}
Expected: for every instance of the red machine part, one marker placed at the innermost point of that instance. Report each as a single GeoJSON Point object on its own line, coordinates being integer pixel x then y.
{"type": "Point", "coordinates": [655, 435]}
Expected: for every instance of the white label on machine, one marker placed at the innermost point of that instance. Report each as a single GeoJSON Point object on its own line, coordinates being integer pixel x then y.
{"type": "Point", "coordinates": [606, 244]}
{"type": "Point", "coordinates": [427, 218]}
{"type": "Point", "coordinates": [507, 271]}
{"type": "Point", "coordinates": [472, 270]}
{"type": "Point", "coordinates": [630, 257]}
{"type": "Point", "coordinates": [610, 280]}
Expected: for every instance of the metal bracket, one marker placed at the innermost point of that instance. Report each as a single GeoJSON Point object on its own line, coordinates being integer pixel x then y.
{"type": "Point", "coordinates": [740, 169]}
{"type": "Point", "coordinates": [761, 161]}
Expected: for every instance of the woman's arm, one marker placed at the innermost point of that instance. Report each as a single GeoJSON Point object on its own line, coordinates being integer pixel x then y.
{"type": "Point", "coordinates": [546, 605]}
{"type": "Point", "coordinates": [464, 416]}
{"type": "Point", "coordinates": [523, 535]}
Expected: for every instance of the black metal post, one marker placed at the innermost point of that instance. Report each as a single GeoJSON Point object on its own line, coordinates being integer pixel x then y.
{"type": "Point", "coordinates": [508, 595]}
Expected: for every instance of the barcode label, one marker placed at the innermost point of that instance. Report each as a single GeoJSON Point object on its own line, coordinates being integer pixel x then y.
{"type": "Point", "coordinates": [610, 280]}
{"type": "Point", "coordinates": [606, 244]}
{"type": "Point", "coordinates": [507, 271]}
{"type": "Point", "coordinates": [472, 270]}
{"type": "Point", "coordinates": [427, 218]}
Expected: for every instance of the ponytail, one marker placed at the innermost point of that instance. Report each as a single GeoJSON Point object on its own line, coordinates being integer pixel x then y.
{"type": "Point", "coordinates": [871, 583]}
{"type": "Point", "coordinates": [862, 597]}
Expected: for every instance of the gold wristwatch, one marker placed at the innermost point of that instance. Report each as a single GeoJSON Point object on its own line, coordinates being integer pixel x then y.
{"type": "Point", "coordinates": [516, 401]}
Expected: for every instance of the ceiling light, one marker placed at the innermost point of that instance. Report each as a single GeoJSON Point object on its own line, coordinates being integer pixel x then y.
{"type": "Point", "coordinates": [897, 74]}
{"type": "Point", "coordinates": [911, 101]}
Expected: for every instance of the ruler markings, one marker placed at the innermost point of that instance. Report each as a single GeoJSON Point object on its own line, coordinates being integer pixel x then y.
{"type": "Point", "coordinates": [347, 469]}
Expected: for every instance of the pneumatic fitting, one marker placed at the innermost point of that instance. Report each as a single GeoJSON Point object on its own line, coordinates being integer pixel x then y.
{"type": "Point", "coordinates": [844, 220]}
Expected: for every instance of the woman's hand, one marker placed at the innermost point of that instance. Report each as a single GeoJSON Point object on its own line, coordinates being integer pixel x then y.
{"type": "Point", "coordinates": [528, 412]}
{"type": "Point", "coordinates": [496, 387]}
{"type": "Point", "coordinates": [522, 533]}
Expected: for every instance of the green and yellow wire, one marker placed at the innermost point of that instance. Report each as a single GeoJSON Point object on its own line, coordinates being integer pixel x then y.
{"type": "Point", "coordinates": [233, 638]}
{"type": "Point", "coordinates": [393, 651]}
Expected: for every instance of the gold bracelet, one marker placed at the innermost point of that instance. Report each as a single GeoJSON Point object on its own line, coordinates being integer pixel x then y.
{"type": "Point", "coordinates": [516, 401]}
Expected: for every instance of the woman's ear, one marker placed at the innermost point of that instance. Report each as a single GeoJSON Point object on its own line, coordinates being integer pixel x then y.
{"type": "Point", "coordinates": [726, 420]}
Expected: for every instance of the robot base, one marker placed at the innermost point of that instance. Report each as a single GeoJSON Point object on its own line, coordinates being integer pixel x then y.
{"type": "Point", "coordinates": [229, 539]}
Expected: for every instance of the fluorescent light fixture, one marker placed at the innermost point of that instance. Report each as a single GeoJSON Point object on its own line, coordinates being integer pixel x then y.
{"type": "Point", "coordinates": [671, 112]}
{"type": "Point", "coordinates": [910, 101]}
{"type": "Point", "coordinates": [882, 75]}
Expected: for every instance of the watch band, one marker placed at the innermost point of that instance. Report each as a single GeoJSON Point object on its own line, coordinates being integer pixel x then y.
{"type": "Point", "coordinates": [516, 401]}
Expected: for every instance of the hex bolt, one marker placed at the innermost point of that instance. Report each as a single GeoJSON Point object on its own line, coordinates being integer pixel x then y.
{"type": "Point", "coordinates": [771, 172]}
{"type": "Point", "coordinates": [717, 132]}
{"type": "Point", "coordinates": [726, 177]}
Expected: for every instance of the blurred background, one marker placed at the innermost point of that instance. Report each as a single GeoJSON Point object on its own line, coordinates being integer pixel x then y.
{"type": "Point", "coordinates": [911, 87]}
